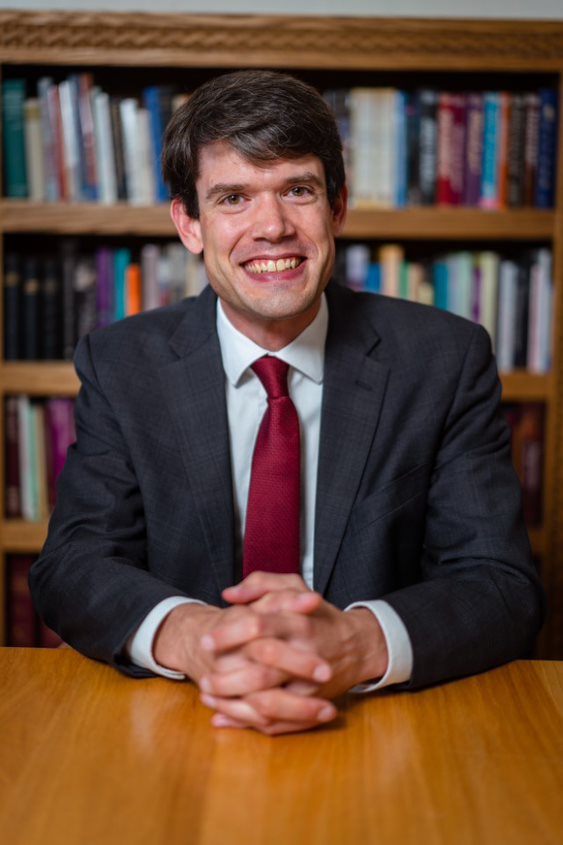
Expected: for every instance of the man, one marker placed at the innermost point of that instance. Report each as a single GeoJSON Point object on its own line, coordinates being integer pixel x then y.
{"type": "Point", "coordinates": [409, 526]}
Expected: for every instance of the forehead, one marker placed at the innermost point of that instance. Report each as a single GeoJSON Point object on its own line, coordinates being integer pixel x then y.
{"type": "Point", "coordinates": [219, 162]}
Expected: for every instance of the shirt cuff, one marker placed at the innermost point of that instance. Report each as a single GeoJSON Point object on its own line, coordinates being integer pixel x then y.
{"type": "Point", "coordinates": [399, 648]}
{"type": "Point", "coordinates": [139, 645]}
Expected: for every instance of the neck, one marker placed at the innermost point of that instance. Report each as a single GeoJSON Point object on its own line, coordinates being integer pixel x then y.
{"type": "Point", "coordinates": [272, 335]}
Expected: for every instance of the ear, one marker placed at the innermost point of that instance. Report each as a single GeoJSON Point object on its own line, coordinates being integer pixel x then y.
{"type": "Point", "coordinates": [188, 228]}
{"type": "Point", "coordinates": [339, 210]}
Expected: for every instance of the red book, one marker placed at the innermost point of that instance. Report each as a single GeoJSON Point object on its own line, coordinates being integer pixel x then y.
{"type": "Point", "coordinates": [60, 433]}
{"type": "Point", "coordinates": [22, 621]}
{"type": "Point", "coordinates": [451, 148]}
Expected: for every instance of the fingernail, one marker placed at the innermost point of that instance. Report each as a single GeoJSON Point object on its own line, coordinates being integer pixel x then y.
{"type": "Point", "coordinates": [207, 643]}
{"type": "Point", "coordinates": [327, 713]}
{"type": "Point", "coordinates": [208, 700]}
{"type": "Point", "coordinates": [220, 721]}
{"type": "Point", "coordinates": [205, 685]}
{"type": "Point", "coordinates": [322, 673]}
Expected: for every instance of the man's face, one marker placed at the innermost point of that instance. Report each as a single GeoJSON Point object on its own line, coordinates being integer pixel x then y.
{"type": "Point", "coordinates": [267, 235]}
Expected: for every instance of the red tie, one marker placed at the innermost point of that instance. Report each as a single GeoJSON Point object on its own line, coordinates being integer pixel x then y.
{"type": "Point", "coordinates": [271, 540]}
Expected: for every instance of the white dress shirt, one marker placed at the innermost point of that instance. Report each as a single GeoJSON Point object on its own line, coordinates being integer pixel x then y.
{"type": "Point", "coordinates": [246, 404]}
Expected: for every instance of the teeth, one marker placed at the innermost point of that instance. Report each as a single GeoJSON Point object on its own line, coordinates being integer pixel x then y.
{"type": "Point", "coordinates": [271, 266]}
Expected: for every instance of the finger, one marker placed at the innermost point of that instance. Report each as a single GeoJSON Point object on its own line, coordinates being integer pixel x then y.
{"type": "Point", "coordinates": [291, 601]}
{"type": "Point", "coordinates": [279, 705]}
{"type": "Point", "coordinates": [273, 729]}
{"type": "Point", "coordinates": [240, 682]}
{"type": "Point", "coordinates": [252, 626]}
{"type": "Point", "coordinates": [292, 661]}
{"type": "Point", "coordinates": [257, 584]}
{"type": "Point", "coordinates": [238, 709]}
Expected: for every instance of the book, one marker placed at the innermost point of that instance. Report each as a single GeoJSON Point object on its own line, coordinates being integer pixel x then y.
{"type": "Point", "coordinates": [538, 358]}
{"type": "Point", "coordinates": [68, 259]}
{"type": "Point", "coordinates": [35, 165]}
{"type": "Point", "coordinates": [15, 170]}
{"type": "Point", "coordinates": [358, 260]}
{"type": "Point", "coordinates": [84, 284]}
{"type": "Point", "coordinates": [87, 140]}
{"type": "Point", "coordinates": [28, 503]}
{"type": "Point", "coordinates": [104, 148]}
{"type": "Point", "coordinates": [12, 471]}
{"type": "Point", "coordinates": [50, 296]}
{"type": "Point", "coordinates": [30, 308]}
{"type": "Point", "coordinates": [491, 142]}
{"type": "Point", "coordinates": [13, 284]}
{"type": "Point", "coordinates": [157, 102]}
{"type": "Point", "coordinates": [428, 145]}
{"type": "Point", "coordinates": [473, 159]}
{"type": "Point", "coordinates": [516, 166]}
{"type": "Point", "coordinates": [134, 289]}
{"type": "Point", "coordinates": [48, 140]}
{"type": "Point", "coordinates": [21, 614]}
{"type": "Point", "coordinates": [506, 326]}
{"type": "Point", "coordinates": [547, 146]}
{"type": "Point", "coordinates": [532, 104]}
{"type": "Point", "coordinates": [105, 284]}
{"type": "Point", "coordinates": [391, 257]}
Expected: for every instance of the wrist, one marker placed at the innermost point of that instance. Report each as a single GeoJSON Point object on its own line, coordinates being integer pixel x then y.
{"type": "Point", "coordinates": [371, 645]}
{"type": "Point", "coordinates": [176, 644]}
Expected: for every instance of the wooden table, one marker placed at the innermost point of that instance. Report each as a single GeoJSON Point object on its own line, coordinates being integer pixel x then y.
{"type": "Point", "coordinates": [88, 756]}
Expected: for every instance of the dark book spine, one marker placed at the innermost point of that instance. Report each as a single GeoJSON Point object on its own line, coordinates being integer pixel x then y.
{"type": "Point", "coordinates": [13, 487]}
{"type": "Point", "coordinates": [428, 145]}
{"type": "Point", "coordinates": [85, 295]}
{"type": "Point", "coordinates": [547, 149]}
{"type": "Point", "coordinates": [15, 171]}
{"type": "Point", "coordinates": [531, 147]}
{"type": "Point", "coordinates": [412, 109]}
{"type": "Point", "coordinates": [516, 148]}
{"type": "Point", "coordinates": [22, 621]}
{"type": "Point", "coordinates": [12, 307]}
{"type": "Point", "coordinates": [30, 309]}
{"type": "Point", "coordinates": [522, 312]}
{"type": "Point", "coordinates": [51, 309]}
{"type": "Point", "coordinates": [118, 150]}
{"type": "Point", "coordinates": [68, 268]}
{"type": "Point", "coordinates": [473, 158]}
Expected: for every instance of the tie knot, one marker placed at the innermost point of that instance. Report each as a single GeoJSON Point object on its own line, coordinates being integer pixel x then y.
{"type": "Point", "coordinates": [273, 374]}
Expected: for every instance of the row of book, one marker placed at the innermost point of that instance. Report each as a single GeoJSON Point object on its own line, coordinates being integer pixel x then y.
{"type": "Point", "coordinates": [511, 297]}
{"type": "Point", "coordinates": [51, 301]}
{"type": "Point", "coordinates": [73, 141]}
{"type": "Point", "coordinates": [24, 628]}
{"type": "Point", "coordinates": [38, 435]}
{"type": "Point", "coordinates": [494, 149]}
{"type": "Point", "coordinates": [490, 149]}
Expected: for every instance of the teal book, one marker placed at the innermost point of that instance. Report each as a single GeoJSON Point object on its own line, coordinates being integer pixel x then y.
{"type": "Point", "coordinates": [122, 261]}
{"type": "Point", "coordinates": [15, 171]}
{"type": "Point", "coordinates": [441, 283]}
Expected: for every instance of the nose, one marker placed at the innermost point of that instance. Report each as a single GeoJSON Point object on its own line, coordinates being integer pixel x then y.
{"type": "Point", "coordinates": [272, 219]}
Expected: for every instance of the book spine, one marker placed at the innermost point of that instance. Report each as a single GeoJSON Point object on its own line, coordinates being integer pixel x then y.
{"type": "Point", "coordinates": [128, 111]}
{"type": "Point", "coordinates": [149, 273]}
{"type": "Point", "coordinates": [547, 148]}
{"type": "Point", "coordinates": [122, 259]}
{"type": "Point", "coordinates": [490, 177]}
{"type": "Point", "coordinates": [412, 108]}
{"type": "Point", "coordinates": [445, 148]}
{"type": "Point", "coordinates": [84, 283]}
{"type": "Point", "coordinates": [516, 147]}
{"type": "Point", "coordinates": [21, 615]}
{"type": "Point", "coordinates": [400, 150]}
{"type": "Point", "coordinates": [474, 150]}
{"type": "Point", "coordinates": [24, 439]}
{"type": "Point", "coordinates": [50, 310]}
{"type": "Point", "coordinates": [457, 157]}
{"type": "Point", "coordinates": [152, 99]}
{"type": "Point", "coordinates": [12, 307]}
{"type": "Point", "coordinates": [134, 287]}
{"type": "Point", "coordinates": [505, 107]}
{"type": "Point", "coordinates": [428, 145]}
{"type": "Point", "coordinates": [506, 315]}
{"type": "Point", "coordinates": [105, 153]}
{"type": "Point", "coordinates": [117, 137]}
{"type": "Point", "coordinates": [30, 309]}
{"type": "Point", "coordinates": [531, 147]}
{"type": "Point", "coordinates": [68, 250]}
{"type": "Point", "coordinates": [13, 486]}
{"type": "Point", "coordinates": [48, 140]}
{"type": "Point", "coordinates": [522, 309]}
{"type": "Point", "coordinates": [34, 150]}
{"type": "Point", "coordinates": [88, 162]}
{"type": "Point", "coordinates": [15, 171]}
{"type": "Point", "coordinates": [105, 286]}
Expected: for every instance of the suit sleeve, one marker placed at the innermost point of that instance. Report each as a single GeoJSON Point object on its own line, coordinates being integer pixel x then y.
{"type": "Point", "coordinates": [479, 602]}
{"type": "Point", "coordinates": [91, 583]}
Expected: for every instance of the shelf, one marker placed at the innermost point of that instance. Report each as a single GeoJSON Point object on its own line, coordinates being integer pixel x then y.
{"type": "Point", "coordinates": [22, 537]}
{"type": "Point", "coordinates": [440, 223]}
{"type": "Point", "coordinates": [39, 378]}
{"type": "Point", "coordinates": [521, 386]}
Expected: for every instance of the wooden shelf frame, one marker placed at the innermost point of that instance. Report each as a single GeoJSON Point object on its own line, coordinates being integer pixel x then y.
{"type": "Point", "coordinates": [323, 45]}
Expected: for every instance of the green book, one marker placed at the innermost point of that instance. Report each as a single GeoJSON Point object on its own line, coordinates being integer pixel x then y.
{"type": "Point", "coordinates": [15, 175]}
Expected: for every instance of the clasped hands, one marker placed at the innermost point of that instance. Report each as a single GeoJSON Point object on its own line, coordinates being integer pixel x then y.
{"type": "Point", "coordinates": [276, 658]}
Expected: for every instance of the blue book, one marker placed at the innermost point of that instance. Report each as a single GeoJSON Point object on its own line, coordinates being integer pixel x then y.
{"type": "Point", "coordinates": [547, 149]}
{"type": "Point", "coordinates": [154, 100]}
{"type": "Point", "coordinates": [440, 277]}
{"type": "Point", "coordinates": [401, 179]}
{"type": "Point", "coordinates": [122, 261]}
{"type": "Point", "coordinates": [15, 171]}
{"type": "Point", "coordinates": [491, 137]}
{"type": "Point", "coordinates": [373, 278]}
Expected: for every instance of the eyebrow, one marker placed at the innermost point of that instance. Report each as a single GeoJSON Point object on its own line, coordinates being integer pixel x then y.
{"type": "Point", "coordinates": [227, 188]}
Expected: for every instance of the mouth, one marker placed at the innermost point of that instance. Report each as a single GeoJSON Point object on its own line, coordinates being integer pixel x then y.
{"type": "Point", "coordinates": [259, 266]}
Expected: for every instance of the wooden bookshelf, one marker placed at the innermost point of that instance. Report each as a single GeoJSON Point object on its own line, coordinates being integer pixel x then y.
{"type": "Point", "coordinates": [375, 52]}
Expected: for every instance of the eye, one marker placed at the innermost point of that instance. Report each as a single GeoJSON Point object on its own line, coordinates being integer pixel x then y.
{"type": "Point", "coordinates": [301, 191]}
{"type": "Point", "coordinates": [232, 200]}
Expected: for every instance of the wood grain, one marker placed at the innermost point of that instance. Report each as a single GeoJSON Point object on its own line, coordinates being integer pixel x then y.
{"type": "Point", "coordinates": [89, 756]}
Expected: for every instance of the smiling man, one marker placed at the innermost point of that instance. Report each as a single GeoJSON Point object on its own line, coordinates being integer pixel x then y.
{"type": "Point", "coordinates": [282, 490]}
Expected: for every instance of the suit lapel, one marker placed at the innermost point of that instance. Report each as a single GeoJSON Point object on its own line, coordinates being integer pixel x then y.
{"type": "Point", "coordinates": [194, 387]}
{"type": "Point", "coordinates": [353, 392]}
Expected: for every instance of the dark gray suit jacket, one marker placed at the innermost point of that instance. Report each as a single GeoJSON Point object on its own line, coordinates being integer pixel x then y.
{"type": "Point", "coordinates": [417, 502]}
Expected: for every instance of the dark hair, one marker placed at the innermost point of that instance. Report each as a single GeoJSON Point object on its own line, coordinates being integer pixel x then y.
{"type": "Point", "coordinates": [264, 116]}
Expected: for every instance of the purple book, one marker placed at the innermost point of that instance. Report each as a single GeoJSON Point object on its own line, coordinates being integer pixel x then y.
{"type": "Point", "coordinates": [104, 285]}
{"type": "Point", "coordinates": [473, 150]}
{"type": "Point", "coordinates": [59, 420]}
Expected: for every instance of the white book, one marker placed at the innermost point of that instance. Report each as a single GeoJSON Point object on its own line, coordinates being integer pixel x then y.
{"type": "Point", "coordinates": [488, 302]}
{"type": "Point", "coordinates": [540, 313]}
{"type": "Point", "coordinates": [34, 150]}
{"type": "Point", "coordinates": [391, 257]}
{"type": "Point", "coordinates": [129, 114]}
{"type": "Point", "coordinates": [176, 253]}
{"type": "Point", "coordinates": [363, 109]}
{"type": "Point", "coordinates": [105, 152]}
{"type": "Point", "coordinates": [384, 146]}
{"type": "Point", "coordinates": [358, 258]}
{"type": "Point", "coordinates": [25, 457]}
{"type": "Point", "coordinates": [146, 157]}
{"type": "Point", "coordinates": [150, 254]}
{"type": "Point", "coordinates": [506, 323]}
{"type": "Point", "coordinates": [69, 118]}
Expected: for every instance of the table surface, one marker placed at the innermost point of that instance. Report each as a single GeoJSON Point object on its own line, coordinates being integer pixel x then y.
{"type": "Point", "coordinates": [89, 756]}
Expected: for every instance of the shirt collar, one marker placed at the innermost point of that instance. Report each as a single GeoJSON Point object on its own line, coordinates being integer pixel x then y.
{"type": "Point", "coordinates": [306, 353]}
